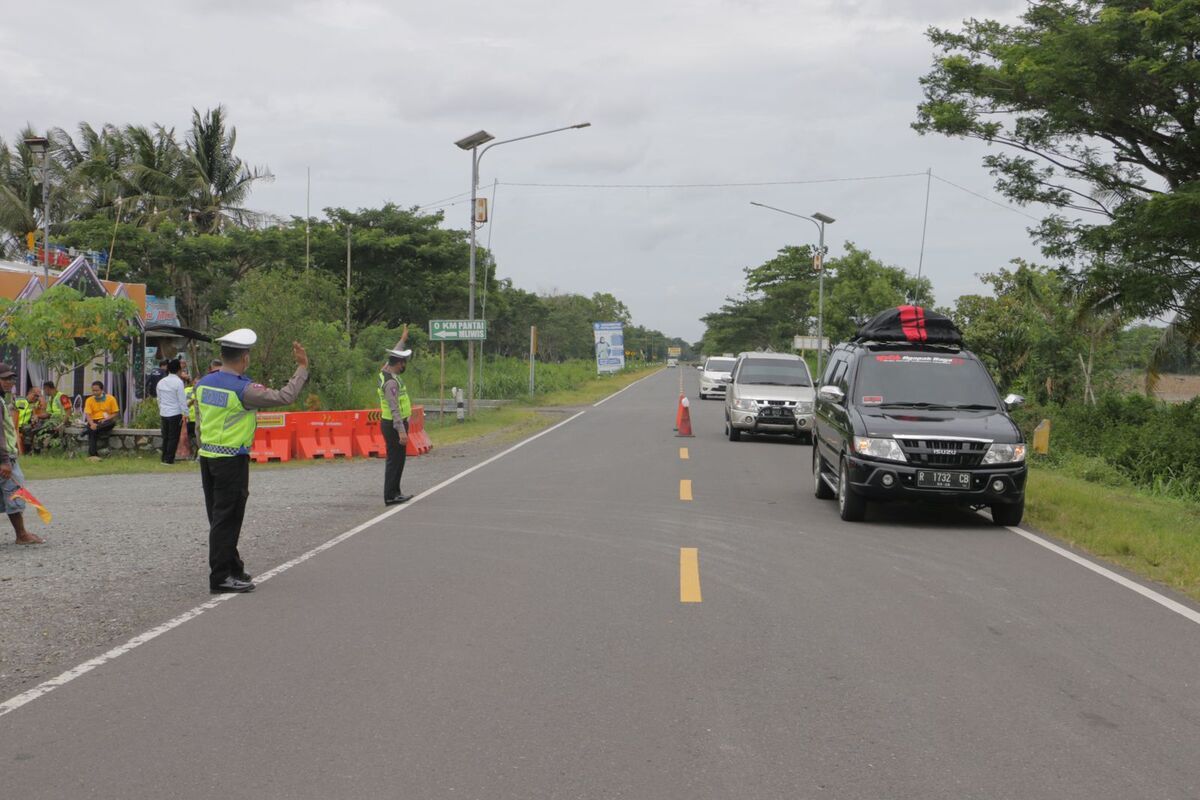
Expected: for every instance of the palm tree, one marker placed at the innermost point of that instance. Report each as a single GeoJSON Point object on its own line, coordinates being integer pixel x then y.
{"type": "Point", "coordinates": [17, 196]}
{"type": "Point", "coordinates": [217, 182]}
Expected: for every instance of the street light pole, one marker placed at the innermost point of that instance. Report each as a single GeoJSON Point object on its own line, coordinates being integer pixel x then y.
{"type": "Point", "coordinates": [472, 143]}
{"type": "Point", "coordinates": [40, 145]}
{"type": "Point", "coordinates": [819, 220]}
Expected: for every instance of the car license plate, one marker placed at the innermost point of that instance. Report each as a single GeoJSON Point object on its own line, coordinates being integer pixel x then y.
{"type": "Point", "coordinates": [781, 413]}
{"type": "Point", "coordinates": [934, 479]}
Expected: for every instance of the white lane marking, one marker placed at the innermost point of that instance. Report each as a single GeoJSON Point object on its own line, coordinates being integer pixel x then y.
{"type": "Point", "coordinates": [1162, 600]}
{"type": "Point", "coordinates": [626, 389]}
{"type": "Point", "coordinates": [46, 687]}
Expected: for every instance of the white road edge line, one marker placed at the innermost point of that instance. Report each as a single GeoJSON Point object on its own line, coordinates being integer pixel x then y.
{"type": "Point", "coordinates": [46, 687]}
{"type": "Point", "coordinates": [1150, 594]}
{"type": "Point", "coordinates": [626, 389]}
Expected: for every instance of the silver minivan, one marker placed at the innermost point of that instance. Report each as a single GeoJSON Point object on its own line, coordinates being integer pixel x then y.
{"type": "Point", "coordinates": [769, 393]}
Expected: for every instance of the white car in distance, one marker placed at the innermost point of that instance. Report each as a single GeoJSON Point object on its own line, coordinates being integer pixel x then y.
{"type": "Point", "coordinates": [714, 375]}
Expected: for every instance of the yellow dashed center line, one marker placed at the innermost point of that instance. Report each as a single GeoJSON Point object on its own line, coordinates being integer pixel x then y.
{"type": "Point", "coordinates": [689, 575]}
{"type": "Point", "coordinates": [683, 453]}
{"type": "Point", "coordinates": [685, 490]}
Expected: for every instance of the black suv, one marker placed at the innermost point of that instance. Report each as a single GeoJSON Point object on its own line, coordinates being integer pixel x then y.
{"type": "Point", "coordinates": [903, 412]}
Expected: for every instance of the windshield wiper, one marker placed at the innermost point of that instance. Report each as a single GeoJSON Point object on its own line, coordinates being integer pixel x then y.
{"type": "Point", "coordinates": [912, 405]}
{"type": "Point", "coordinates": [974, 407]}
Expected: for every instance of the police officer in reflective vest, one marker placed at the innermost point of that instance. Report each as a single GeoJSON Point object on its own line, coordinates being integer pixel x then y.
{"type": "Point", "coordinates": [225, 402]}
{"type": "Point", "coordinates": [395, 408]}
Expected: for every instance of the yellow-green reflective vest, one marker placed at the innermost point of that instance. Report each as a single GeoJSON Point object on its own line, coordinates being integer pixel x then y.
{"type": "Point", "coordinates": [10, 428]}
{"type": "Point", "coordinates": [226, 426]}
{"type": "Point", "coordinates": [54, 406]}
{"type": "Point", "coordinates": [24, 412]}
{"type": "Point", "coordinates": [402, 398]}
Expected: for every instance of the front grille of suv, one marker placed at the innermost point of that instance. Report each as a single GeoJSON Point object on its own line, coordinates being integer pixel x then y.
{"type": "Point", "coordinates": [943, 452]}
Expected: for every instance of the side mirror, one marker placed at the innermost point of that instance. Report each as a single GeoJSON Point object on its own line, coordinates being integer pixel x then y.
{"type": "Point", "coordinates": [725, 379]}
{"type": "Point", "coordinates": [700, 367]}
{"type": "Point", "coordinates": [1013, 401]}
{"type": "Point", "coordinates": [831, 394]}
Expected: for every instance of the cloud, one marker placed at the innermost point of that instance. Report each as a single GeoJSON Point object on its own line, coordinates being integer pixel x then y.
{"type": "Point", "coordinates": [372, 95]}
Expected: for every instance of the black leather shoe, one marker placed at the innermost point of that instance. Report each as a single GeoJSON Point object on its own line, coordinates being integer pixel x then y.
{"type": "Point", "coordinates": [232, 585]}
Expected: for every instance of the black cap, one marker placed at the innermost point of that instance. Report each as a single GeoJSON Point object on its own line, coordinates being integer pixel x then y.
{"type": "Point", "coordinates": [6, 371]}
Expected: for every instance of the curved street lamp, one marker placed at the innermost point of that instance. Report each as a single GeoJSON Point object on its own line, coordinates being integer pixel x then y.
{"type": "Point", "coordinates": [473, 143]}
{"type": "Point", "coordinates": [40, 146]}
{"type": "Point", "coordinates": [820, 220]}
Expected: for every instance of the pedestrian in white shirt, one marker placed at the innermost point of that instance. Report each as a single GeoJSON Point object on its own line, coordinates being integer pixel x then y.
{"type": "Point", "coordinates": [172, 409]}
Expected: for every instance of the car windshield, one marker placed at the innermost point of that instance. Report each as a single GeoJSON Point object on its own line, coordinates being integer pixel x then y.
{"type": "Point", "coordinates": [719, 365]}
{"type": "Point", "coordinates": [774, 372]}
{"type": "Point", "coordinates": [924, 380]}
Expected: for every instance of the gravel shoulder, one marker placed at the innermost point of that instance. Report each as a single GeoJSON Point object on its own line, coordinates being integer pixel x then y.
{"type": "Point", "coordinates": [127, 552]}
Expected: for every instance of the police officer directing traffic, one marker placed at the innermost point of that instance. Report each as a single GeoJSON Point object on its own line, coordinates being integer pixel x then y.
{"type": "Point", "coordinates": [226, 400]}
{"type": "Point", "coordinates": [395, 408]}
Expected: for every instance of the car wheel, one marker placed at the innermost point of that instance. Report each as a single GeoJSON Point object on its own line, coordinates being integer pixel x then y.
{"type": "Point", "coordinates": [734, 434]}
{"type": "Point", "coordinates": [851, 506]}
{"type": "Point", "coordinates": [1008, 513]}
{"type": "Point", "coordinates": [820, 487]}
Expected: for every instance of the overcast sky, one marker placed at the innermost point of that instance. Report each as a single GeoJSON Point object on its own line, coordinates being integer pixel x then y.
{"type": "Point", "coordinates": [372, 95]}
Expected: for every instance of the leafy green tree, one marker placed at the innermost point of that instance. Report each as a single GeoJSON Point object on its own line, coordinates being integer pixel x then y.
{"type": "Point", "coordinates": [64, 330]}
{"type": "Point", "coordinates": [859, 286]}
{"type": "Point", "coordinates": [283, 306]}
{"type": "Point", "coordinates": [405, 267]}
{"type": "Point", "coordinates": [1096, 103]}
{"type": "Point", "coordinates": [1037, 336]}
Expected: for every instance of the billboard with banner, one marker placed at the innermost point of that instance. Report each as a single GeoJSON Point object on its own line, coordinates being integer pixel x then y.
{"type": "Point", "coordinates": [161, 311]}
{"type": "Point", "coordinates": [610, 346]}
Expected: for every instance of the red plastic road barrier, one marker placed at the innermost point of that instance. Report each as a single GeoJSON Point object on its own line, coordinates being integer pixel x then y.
{"type": "Point", "coordinates": [323, 434]}
{"type": "Point", "coordinates": [685, 422]}
{"type": "Point", "coordinates": [419, 442]}
{"type": "Point", "coordinates": [274, 440]}
{"type": "Point", "coordinates": [368, 438]}
{"type": "Point", "coordinates": [679, 411]}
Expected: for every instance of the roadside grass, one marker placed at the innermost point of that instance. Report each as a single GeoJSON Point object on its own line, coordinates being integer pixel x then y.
{"type": "Point", "coordinates": [508, 423]}
{"type": "Point", "coordinates": [1155, 537]}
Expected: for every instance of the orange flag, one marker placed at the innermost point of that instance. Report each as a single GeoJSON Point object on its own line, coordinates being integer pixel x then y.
{"type": "Point", "coordinates": [25, 495]}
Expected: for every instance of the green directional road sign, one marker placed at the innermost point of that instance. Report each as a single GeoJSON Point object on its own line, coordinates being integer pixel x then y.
{"type": "Point", "coordinates": [457, 330]}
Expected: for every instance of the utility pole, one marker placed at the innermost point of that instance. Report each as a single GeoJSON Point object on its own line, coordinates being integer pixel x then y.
{"type": "Point", "coordinates": [349, 227]}
{"type": "Point", "coordinates": [307, 217]}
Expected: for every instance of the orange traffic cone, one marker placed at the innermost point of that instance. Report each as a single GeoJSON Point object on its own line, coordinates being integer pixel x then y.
{"type": "Point", "coordinates": [685, 421]}
{"type": "Point", "coordinates": [679, 410]}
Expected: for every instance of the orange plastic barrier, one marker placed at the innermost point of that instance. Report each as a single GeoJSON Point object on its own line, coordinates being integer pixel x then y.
{"type": "Point", "coordinates": [368, 438]}
{"type": "Point", "coordinates": [419, 442]}
{"type": "Point", "coordinates": [323, 434]}
{"type": "Point", "coordinates": [274, 440]}
{"type": "Point", "coordinates": [330, 434]}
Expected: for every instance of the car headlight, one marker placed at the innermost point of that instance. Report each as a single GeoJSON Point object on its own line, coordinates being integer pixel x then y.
{"type": "Point", "coordinates": [879, 448]}
{"type": "Point", "coordinates": [1004, 454]}
{"type": "Point", "coordinates": [745, 405]}
{"type": "Point", "coordinates": [804, 408]}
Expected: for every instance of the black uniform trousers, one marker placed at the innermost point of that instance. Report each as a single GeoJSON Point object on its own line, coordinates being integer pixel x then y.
{"type": "Point", "coordinates": [170, 437]}
{"type": "Point", "coordinates": [94, 434]}
{"type": "Point", "coordinates": [226, 487]}
{"type": "Point", "coordinates": [396, 454]}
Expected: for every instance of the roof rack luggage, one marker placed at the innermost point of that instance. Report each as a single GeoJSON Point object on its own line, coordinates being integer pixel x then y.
{"type": "Point", "coordinates": [911, 324]}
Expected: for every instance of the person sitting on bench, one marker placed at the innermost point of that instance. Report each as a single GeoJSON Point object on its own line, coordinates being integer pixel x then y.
{"type": "Point", "coordinates": [100, 411]}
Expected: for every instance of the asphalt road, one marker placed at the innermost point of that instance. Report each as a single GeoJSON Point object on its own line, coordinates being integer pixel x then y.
{"type": "Point", "coordinates": [520, 633]}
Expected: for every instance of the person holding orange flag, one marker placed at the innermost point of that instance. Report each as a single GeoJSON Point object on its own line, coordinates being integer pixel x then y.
{"type": "Point", "coordinates": [11, 477]}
